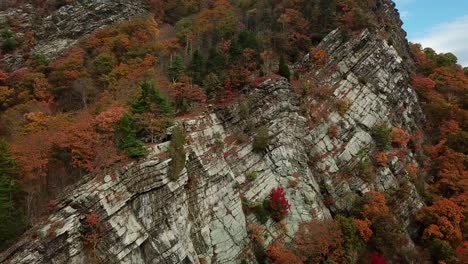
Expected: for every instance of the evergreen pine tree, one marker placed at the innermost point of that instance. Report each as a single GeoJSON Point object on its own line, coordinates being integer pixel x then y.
{"type": "Point", "coordinates": [216, 62]}
{"type": "Point", "coordinates": [11, 217]}
{"type": "Point", "coordinates": [177, 153]}
{"type": "Point", "coordinates": [247, 39]}
{"type": "Point", "coordinates": [196, 68]}
{"type": "Point", "coordinates": [126, 134]}
{"type": "Point", "coordinates": [152, 96]}
{"type": "Point", "coordinates": [284, 69]}
{"type": "Point", "coordinates": [176, 69]}
{"type": "Point", "coordinates": [212, 84]}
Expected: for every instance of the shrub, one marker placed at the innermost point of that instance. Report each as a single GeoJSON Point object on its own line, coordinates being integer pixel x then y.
{"type": "Point", "coordinates": [382, 136]}
{"type": "Point", "coordinates": [381, 159]}
{"type": "Point", "coordinates": [343, 106]}
{"type": "Point", "coordinates": [262, 211]}
{"type": "Point", "coordinates": [352, 243]}
{"type": "Point", "coordinates": [441, 251]}
{"type": "Point", "coordinates": [279, 205]}
{"type": "Point", "coordinates": [365, 170]}
{"type": "Point", "coordinates": [284, 69]}
{"type": "Point", "coordinates": [260, 253]}
{"type": "Point", "coordinates": [126, 135]}
{"type": "Point", "coordinates": [377, 259]}
{"type": "Point", "coordinates": [320, 242]}
{"type": "Point", "coordinates": [104, 63]}
{"type": "Point", "coordinates": [261, 139]}
{"type": "Point", "coordinates": [176, 153]}
{"type": "Point", "coordinates": [400, 137]}
{"type": "Point", "coordinates": [251, 176]}
{"type": "Point", "coordinates": [8, 41]}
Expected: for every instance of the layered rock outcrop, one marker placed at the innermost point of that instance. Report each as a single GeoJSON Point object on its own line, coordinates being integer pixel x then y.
{"type": "Point", "coordinates": [142, 216]}
{"type": "Point", "coordinates": [62, 28]}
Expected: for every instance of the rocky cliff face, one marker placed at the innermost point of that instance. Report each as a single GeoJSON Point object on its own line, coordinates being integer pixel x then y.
{"type": "Point", "coordinates": [63, 28]}
{"type": "Point", "coordinates": [147, 218]}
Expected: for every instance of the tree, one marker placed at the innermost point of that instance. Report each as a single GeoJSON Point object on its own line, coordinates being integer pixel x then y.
{"type": "Point", "coordinates": [284, 69]}
{"type": "Point", "coordinates": [11, 216]}
{"type": "Point", "coordinates": [320, 242]}
{"type": "Point", "coordinates": [151, 99]}
{"type": "Point", "coordinates": [353, 244]}
{"type": "Point", "coordinates": [126, 135]}
{"type": "Point", "coordinates": [400, 137]}
{"type": "Point", "coordinates": [278, 254]}
{"type": "Point", "coordinates": [382, 136]}
{"type": "Point", "coordinates": [442, 220]}
{"type": "Point", "coordinates": [175, 69]}
{"type": "Point", "coordinates": [261, 139]}
{"type": "Point", "coordinates": [177, 153]}
{"type": "Point", "coordinates": [212, 85]}
{"type": "Point", "coordinates": [8, 41]}
{"type": "Point", "coordinates": [279, 204]}
{"type": "Point", "coordinates": [196, 68]}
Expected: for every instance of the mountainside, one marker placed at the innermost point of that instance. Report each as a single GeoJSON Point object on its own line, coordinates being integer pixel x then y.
{"type": "Point", "coordinates": [146, 217]}
{"type": "Point", "coordinates": [342, 139]}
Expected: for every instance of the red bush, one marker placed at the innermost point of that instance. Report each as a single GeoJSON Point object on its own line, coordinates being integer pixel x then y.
{"type": "Point", "coordinates": [279, 204]}
{"type": "Point", "coordinates": [377, 259]}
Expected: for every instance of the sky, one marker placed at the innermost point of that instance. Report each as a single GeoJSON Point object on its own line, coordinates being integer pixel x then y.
{"type": "Point", "coordinates": [439, 24]}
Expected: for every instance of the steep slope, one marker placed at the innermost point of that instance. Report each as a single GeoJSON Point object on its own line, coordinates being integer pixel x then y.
{"type": "Point", "coordinates": [63, 27]}
{"type": "Point", "coordinates": [140, 215]}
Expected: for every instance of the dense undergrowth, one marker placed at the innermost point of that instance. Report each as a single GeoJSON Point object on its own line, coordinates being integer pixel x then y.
{"type": "Point", "coordinates": [121, 87]}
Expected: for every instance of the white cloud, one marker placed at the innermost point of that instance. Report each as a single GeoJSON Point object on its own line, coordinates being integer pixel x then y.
{"type": "Point", "coordinates": [449, 37]}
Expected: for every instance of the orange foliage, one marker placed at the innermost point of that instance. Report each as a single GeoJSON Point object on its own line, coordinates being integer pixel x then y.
{"type": "Point", "coordinates": [400, 137]}
{"type": "Point", "coordinates": [381, 159]}
{"type": "Point", "coordinates": [363, 227]}
{"type": "Point", "coordinates": [256, 233]}
{"type": "Point", "coordinates": [319, 57]}
{"type": "Point", "coordinates": [442, 220]}
{"type": "Point", "coordinates": [317, 241]}
{"type": "Point", "coordinates": [280, 255]}
{"type": "Point", "coordinates": [449, 127]}
{"type": "Point", "coordinates": [375, 206]}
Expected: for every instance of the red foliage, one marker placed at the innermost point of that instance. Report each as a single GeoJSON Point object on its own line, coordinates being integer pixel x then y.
{"type": "Point", "coordinates": [332, 131]}
{"type": "Point", "coordinates": [279, 204]}
{"type": "Point", "coordinates": [377, 259]}
{"type": "Point", "coordinates": [256, 82]}
{"type": "Point", "coordinates": [462, 252]}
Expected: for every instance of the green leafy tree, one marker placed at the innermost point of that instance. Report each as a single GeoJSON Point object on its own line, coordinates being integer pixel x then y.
{"type": "Point", "coordinates": [104, 63]}
{"type": "Point", "coordinates": [126, 135]}
{"type": "Point", "coordinates": [284, 69]}
{"type": "Point", "coordinates": [177, 153]}
{"type": "Point", "coordinates": [11, 217]}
